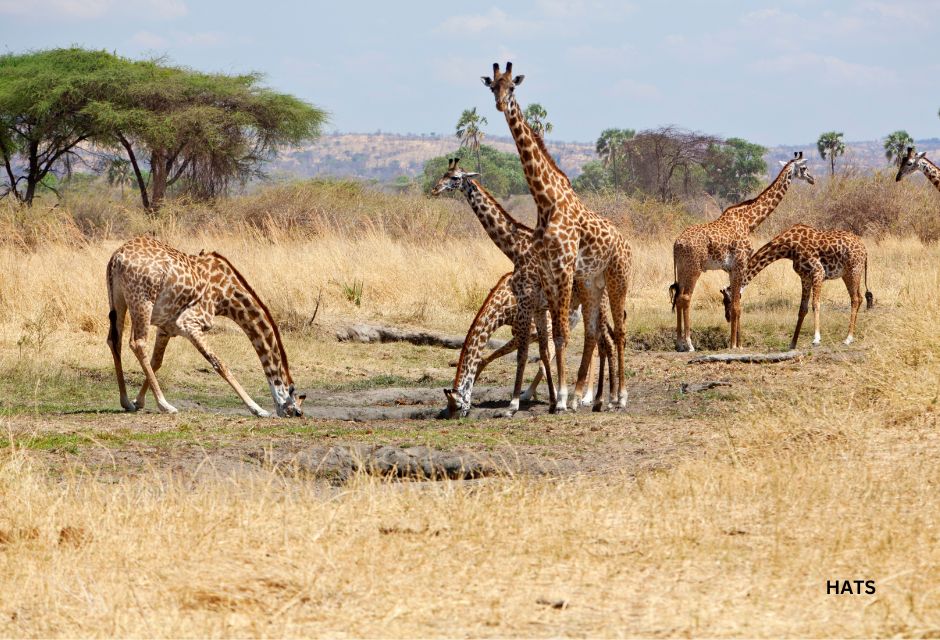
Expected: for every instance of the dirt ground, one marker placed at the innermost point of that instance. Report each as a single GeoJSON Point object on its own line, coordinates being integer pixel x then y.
{"type": "Point", "coordinates": [664, 420]}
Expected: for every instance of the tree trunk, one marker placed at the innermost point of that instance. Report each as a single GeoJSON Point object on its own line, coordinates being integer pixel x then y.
{"type": "Point", "coordinates": [479, 165]}
{"type": "Point", "coordinates": [32, 176]}
{"type": "Point", "coordinates": [158, 178]}
{"type": "Point", "coordinates": [832, 164]}
{"type": "Point", "coordinates": [141, 185]}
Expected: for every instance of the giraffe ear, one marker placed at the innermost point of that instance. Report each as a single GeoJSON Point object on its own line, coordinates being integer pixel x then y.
{"type": "Point", "coordinates": [487, 80]}
{"type": "Point", "coordinates": [518, 80]}
{"type": "Point", "coordinates": [472, 174]}
{"type": "Point", "coordinates": [449, 393]}
{"type": "Point", "coordinates": [922, 155]}
{"type": "Point", "coordinates": [782, 163]}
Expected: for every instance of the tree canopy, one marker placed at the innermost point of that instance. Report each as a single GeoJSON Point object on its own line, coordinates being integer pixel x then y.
{"type": "Point", "coordinates": [830, 146]}
{"type": "Point", "coordinates": [202, 129]}
{"type": "Point", "coordinates": [896, 145]}
{"type": "Point", "coordinates": [733, 169]}
{"type": "Point", "coordinates": [470, 134]}
{"type": "Point", "coordinates": [537, 118]}
{"type": "Point", "coordinates": [503, 171]}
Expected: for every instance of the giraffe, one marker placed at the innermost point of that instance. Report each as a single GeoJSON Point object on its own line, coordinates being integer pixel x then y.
{"type": "Point", "coordinates": [817, 256]}
{"type": "Point", "coordinates": [723, 244]}
{"type": "Point", "coordinates": [517, 299]}
{"type": "Point", "coordinates": [912, 162]}
{"type": "Point", "coordinates": [574, 245]}
{"type": "Point", "coordinates": [499, 309]}
{"type": "Point", "coordinates": [180, 294]}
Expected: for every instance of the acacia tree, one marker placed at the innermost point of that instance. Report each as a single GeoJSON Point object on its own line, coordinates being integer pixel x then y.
{"type": "Point", "coordinates": [470, 133]}
{"type": "Point", "coordinates": [830, 146]}
{"type": "Point", "coordinates": [663, 160]}
{"type": "Point", "coordinates": [44, 100]}
{"type": "Point", "coordinates": [205, 129]}
{"type": "Point", "coordinates": [537, 118]}
{"type": "Point", "coordinates": [896, 145]}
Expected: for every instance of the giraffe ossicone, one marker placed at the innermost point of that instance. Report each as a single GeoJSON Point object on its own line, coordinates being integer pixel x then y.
{"type": "Point", "coordinates": [913, 161]}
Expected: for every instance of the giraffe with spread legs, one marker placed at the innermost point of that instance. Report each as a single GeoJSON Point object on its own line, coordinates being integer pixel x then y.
{"type": "Point", "coordinates": [181, 294]}
{"type": "Point", "coordinates": [517, 299]}
{"type": "Point", "coordinates": [918, 162]}
{"type": "Point", "coordinates": [724, 244]}
{"type": "Point", "coordinates": [575, 247]}
{"type": "Point", "coordinates": [817, 256]}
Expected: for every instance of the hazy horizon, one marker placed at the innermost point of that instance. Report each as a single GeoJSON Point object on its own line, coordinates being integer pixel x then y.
{"type": "Point", "coordinates": [776, 75]}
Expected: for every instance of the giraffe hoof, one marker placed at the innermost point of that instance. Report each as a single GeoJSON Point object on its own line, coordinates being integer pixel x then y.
{"type": "Point", "coordinates": [138, 405]}
{"type": "Point", "coordinates": [168, 408]}
{"type": "Point", "coordinates": [129, 406]}
{"type": "Point", "coordinates": [848, 340]}
{"type": "Point", "coordinates": [598, 407]}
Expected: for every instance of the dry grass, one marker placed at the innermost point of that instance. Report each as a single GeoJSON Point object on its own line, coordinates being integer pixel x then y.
{"type": "Point", "coordinates": [827, 478]}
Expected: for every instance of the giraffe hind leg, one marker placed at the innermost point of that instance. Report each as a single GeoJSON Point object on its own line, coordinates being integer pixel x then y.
{"type": "Point", "coordinates": [116, 317]}
{"type": "Point", "coordinates": [140, 323]}
{"type": "Point", "coordinates": [156, 361]}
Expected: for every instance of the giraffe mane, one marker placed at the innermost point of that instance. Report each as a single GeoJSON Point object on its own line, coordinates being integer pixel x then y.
{"type": "Point", "coordinates": [277, 334]}
{"type": "Point", "coordinates": [551, 161]}
{"type": "Point", "coordinates": [750, 201]}
{"type": "Point", "coordinates": [476, 318]}
{"type": "Point", "coordinates": [515, 223]}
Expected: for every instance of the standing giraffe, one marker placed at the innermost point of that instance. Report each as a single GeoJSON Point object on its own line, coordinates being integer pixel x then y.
{"type": "Point", "coordinates": [723, 244]}
{"type": "Point", "coordinates": [817, 256]}
{"type": "Point", "coordinates": [912, 162]}
{"type": "Point", "coordinates": [180, 294]}
{"type": "Point", "coordinates": [575, 247]}
{"type": "Point", "coordinates": [517, 299]}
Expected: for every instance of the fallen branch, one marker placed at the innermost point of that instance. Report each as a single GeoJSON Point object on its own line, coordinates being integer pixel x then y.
{"type": "Point", "coordinates": [367, 333]}
{"type": "Point", "coordinates": [748, 357]}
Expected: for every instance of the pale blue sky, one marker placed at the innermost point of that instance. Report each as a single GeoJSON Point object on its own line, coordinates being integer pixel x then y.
{"type": "Point", "coordinates": [770, 72]}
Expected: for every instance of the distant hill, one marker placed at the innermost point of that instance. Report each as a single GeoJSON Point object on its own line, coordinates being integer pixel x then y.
{"type": "Point", "coordinates": [386, 156]}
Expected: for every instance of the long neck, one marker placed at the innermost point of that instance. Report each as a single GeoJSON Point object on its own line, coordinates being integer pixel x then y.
{"type": "Point", "coordinates": [753, 212]}
{"type": "Point", "coordinates": [546, 181]}
{"type": "Point", "coordinates": [930, 170]}
{"type": "Point", "coordinates": [504, 230]}
{"type": "Point", "coordinates": [777, 249]}
{"type": "Point", "coordinates": [244, 307]}
{"type": "Point", "coordinates": [489, 318]}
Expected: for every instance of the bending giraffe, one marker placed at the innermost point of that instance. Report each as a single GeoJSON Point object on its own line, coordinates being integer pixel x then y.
{"type": "Point", "coordinates": [181, 294]}
{"type": "Point", "coordinates": [527, 302]}
{"type": "Point", "coordinates": [499, 309]}
{"type": "Point", "coordinates": [918, 162]}
{"type": "Point", "coordinates": [723, 244]}
{"type": "Point", "coordinates": [575, 247]}
{"type": "Point", "coordinates": [817, 256]}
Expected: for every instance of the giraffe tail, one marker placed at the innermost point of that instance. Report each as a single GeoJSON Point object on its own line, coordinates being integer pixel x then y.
{"type": "Point", "coordinates": [674, 290]}
{"type": "Point", "coordinates": [869, 297]}
{"type": "Point", "coordinates": [114, 337]}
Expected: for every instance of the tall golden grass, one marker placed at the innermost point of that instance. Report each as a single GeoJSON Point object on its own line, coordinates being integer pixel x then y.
{"type": "Point", "coordinates": [830, 474]}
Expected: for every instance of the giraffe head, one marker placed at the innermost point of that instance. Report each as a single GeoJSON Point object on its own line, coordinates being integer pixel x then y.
{"type": "Point", "coordinates": [502, 85]}
{"type": "Point", "coordinates": [910, 163]}
{"type": "Point", "coordinates": [726, 300]}
{"type": "Point", "coordinates": [458, 403]}
{"type": "Point", "coordinates": [286, 399]}
{"type": "Point", "coordinates": [453, 179]}
{"type": "Point", "coordinates": [798, 169]}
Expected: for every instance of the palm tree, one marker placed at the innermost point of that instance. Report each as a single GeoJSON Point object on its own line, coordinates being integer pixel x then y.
{"type": "Point", "coordinates": [610, 148]}
{"type": "Point", "coordinates": [830, 145]}
{"type": "Point", "coordinates": [896, 145]}
{"type": "Point", "coordinates": [535, 114]}
{"type": "Point", "coordinates": [470, 133]}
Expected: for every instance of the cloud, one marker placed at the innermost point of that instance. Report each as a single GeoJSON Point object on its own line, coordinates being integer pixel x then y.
{"type": "Point", "coordinates": [628, 88]}
{"type": "Point", "coordinates": [619, 56]}
{"type": "Point", "coordinates": [493, 21]}
{"type": "Point", "coordinates": [599, 9]}
{"type": "Point", "coordinates": [197, 39]}
{"type": "Point", "coordinates": [827, 68]}
{"type": "Point", "coordinates": [91, 9]}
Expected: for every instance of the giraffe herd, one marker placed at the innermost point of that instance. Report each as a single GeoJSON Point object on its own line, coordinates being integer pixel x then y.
{"type": "Point", "coordinates": [573, 265]}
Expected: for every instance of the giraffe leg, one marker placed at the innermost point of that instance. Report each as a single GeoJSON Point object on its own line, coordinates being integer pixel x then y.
{"type": "Point", "coordinates": [521, 327]}
{"type": "Point", "coordinates": [618, 315]}
{"type": "Point", "coordinates": [156, 361]}
{"type": "Point", "coordinates": [559, 309]}
{"type": "Point", "coordinates": [140, 323]}
{"type": "Point", "coordinates": [116, 318]}
{"type": "Point", "coordinates": [735, 286]}
{"type": "Point", "coordinates": [854, 285]}
{"type": "Point", "coordinates": [817, 291]}
{"type": "Point", "coordinates": [198, 339]}
{"type": "Point", "coordinates": [543, 327]}
{"type": "Point", "coordinates": [684, 311]}
{"type": "Point", "coordinates": [591, 310]}
{"type": "Point", "coordinates": [804, 307]}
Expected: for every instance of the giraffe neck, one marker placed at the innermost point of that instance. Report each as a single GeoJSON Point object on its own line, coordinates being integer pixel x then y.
{"type": "Point", "coordinates": [755, 211]}
{"type": "Point", "coordinates": [504, 230]}
{"type": "Point", "coordinates": [777, 249]}
{"type": "Point", "coordinates": [244, 307]}
{"type": "Point", "coordinates": [546, 181]}
{"type": "Point", "coordinates": [487, 320]}
{"type": "Point", "coordinates": [930, 170]}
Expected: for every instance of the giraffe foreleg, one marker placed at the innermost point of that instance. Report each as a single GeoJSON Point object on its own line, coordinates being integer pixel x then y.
{"type": "Point", "coordinates": [156, 361]}
{"type": "Point", "coordinates": [140, 323]}
{"type": "Point", "coordinates": [817, 292]}
{"type": "Point", "coordinates": [520, 330]}
{"type": "Point", "coordinates": [198, 339]}
{"type": "Point", "coordinates": [807, 281]}
{"type": "Point", "coordinates": [591, 309]}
